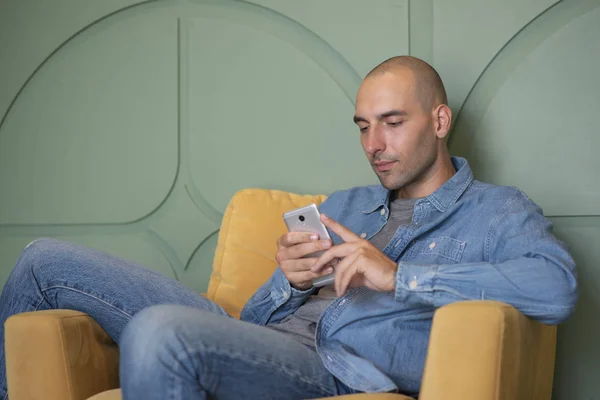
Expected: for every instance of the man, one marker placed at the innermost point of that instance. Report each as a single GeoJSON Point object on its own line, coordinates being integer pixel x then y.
{"type": "Point", "coordinates": [429, 235]}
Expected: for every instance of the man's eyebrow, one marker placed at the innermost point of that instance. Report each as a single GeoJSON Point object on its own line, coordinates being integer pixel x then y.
{"type": "Point", "coordinates": [392, 113]}
{"type": "Point", "coordinates": [358, 119]}
{"type": "Point", "coordinates": [387, 114]}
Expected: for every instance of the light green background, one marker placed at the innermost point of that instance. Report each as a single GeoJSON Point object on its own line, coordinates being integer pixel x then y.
{"type": "Point", "coordinates": [127, 125]}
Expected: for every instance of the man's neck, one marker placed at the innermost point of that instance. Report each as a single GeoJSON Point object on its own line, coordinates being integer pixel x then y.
{"type": "Point", "coordinates": [434, 178]}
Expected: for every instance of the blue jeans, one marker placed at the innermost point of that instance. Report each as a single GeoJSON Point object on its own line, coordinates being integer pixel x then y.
{"type": "Point", "coordinates": [181, 346]}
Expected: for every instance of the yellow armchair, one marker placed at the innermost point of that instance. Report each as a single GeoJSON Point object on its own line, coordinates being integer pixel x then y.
{"type": "Point", "coordinates": [480, 350]}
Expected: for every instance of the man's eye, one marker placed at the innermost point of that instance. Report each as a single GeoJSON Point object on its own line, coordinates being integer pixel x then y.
{"type": "Point", "coordinates": [363, 129]}
{"type": "Point", "coordinates": [395, 123]}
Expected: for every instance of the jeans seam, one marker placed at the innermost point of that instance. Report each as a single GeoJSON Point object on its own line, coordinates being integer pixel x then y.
{"type": "Point", "coordinates": [37, 307]}
{"type": "Point", "coordinates": [172, 389]}
{"type": "Point", "coordinates": [87, 294]}
{"type": "Point", "coordinates": [255, 361]}
{"type": "Point", "coordinates": [173, 367]}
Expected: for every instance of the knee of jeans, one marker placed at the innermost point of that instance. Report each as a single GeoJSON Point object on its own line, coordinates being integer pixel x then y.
{"type": "Point", "coordinates": [151, 335]}
{"type": "Point", "coordinates": [37, 251]}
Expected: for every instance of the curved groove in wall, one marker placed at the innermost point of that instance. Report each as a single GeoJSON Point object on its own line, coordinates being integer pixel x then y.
{"type": "Point", "coordinates": [337, 67]}
{"type": "Point", "coordinates": [187, 264]}
{"type": "Point", "coordinates": [503, 63]}
{"type": "Point", "coordinates": [96, 24]}
{"type": "Point", "coordinates": [59, 48]}
{"type": "Point", "coordinates": [115, 224]}
{"type": "Point", "coordinates": [294, 33]}
{"type": "Point", "coordinates": [166, 250]}
{"type": "Point", "coordinates": [201, 204]}
{"type": "Point", "coordinates": [179, 134]}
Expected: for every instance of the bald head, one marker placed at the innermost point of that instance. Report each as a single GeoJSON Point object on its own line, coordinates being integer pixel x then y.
{"type": "Point", "coordinates": [429, 89]}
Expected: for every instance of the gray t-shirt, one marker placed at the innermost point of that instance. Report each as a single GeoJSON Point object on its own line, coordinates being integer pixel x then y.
{"type": "Point", "coordinates": [301, 325]}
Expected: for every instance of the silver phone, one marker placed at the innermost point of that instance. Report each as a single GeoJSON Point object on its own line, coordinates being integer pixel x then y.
{"type": "Point", "coordinates": [306, 219]}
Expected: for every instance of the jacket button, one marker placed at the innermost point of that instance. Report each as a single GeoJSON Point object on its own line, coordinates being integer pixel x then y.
{"type": "Point", "coordinates": [363, 235]}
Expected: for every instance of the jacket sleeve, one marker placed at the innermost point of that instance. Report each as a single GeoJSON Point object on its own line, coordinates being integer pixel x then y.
{"type": "Point", "coordinates": [526, 267]}
{"type": "Point", "coordinates": [274, 300]}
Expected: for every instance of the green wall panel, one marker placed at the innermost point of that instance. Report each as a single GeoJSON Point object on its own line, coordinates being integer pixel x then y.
{"type": "Point", "coordinates": [538, 132]}
{"type": "Point", "coordinates": [92, 138]}
{"type": "Point", "coordinates": [467, 35]}
{"type": "Point", "coordinates": [126, 125]}
{"type": "Point", "coordinates": [31, 32]}
{"type": "Point", "coordinates": [272, 130]}
{"type": "Point", "coordinates": [343, 24]}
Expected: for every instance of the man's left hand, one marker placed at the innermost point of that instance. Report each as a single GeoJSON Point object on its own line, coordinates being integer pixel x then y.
{"type": "Point", "coordinates": [362, 264]}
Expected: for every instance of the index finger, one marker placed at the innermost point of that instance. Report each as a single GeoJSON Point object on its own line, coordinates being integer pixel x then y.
{"type": "Point", "coordinates": [346, 234]}
{"type": "Point", "coordinates": [294, 238]}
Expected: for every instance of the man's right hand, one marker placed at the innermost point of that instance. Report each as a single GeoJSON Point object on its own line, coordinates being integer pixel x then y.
{"type": "Point", "coordinates": [291, 248]}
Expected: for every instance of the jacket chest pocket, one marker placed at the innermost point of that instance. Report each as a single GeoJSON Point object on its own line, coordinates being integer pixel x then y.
{"type": "Point", "coordinates": [436, 250]}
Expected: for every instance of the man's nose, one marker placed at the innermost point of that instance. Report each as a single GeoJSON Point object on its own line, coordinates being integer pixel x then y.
{"type": "Point", "coordinates": [375, 141]}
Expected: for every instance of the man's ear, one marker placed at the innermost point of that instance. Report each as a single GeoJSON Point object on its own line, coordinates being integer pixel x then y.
{"type": "Point", "coordinates": [442, 120]}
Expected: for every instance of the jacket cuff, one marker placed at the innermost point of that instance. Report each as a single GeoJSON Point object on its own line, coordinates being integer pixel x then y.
{"type": "Point", "coordinates": [415, 283]}
{"type": "Point", "coordinates": [282, 292]}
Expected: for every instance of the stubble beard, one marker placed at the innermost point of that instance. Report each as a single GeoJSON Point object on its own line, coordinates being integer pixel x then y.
{"type": "Point", "coordinates": [401, 176]}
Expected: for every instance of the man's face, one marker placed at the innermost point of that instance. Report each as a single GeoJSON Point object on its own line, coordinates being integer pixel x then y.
{"type": "Point", "coordinates": [396, 133]}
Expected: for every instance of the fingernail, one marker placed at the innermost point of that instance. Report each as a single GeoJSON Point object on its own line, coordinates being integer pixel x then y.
{"type": "Point", "coordinates": [314, 236]}
{"type": "Point", "coordinates": [326, 244]}
{"type": "Point", "coordinates": [325, 216]}
{"type": "Point", "coordinates": [329, 270]}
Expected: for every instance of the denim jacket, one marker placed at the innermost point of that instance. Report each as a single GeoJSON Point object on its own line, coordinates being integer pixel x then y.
{"type": "Point", "coordinates": [467, 241]}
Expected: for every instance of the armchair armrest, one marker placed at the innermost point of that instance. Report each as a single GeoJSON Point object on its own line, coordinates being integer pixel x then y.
{"type": "Point", "coordinates": [57, 355]}
{"type": "Point", "coordinates": [481, 350]}
{"type": "Point", "coordinates": [487, 350]}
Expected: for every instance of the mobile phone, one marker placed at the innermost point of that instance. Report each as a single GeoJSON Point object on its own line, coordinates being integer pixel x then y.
{"type": "Point", "coordinates": [306, 219]}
